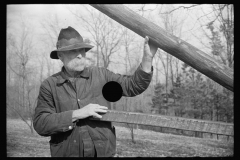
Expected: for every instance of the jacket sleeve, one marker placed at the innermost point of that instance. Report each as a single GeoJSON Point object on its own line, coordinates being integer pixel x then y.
{"type": "Point", "coordinates": [46, 121]}
{"type": "Point", "coordinates": [132, 85]}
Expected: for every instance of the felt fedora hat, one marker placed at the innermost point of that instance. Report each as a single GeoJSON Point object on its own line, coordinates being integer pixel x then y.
{"type": "Point", "coordinates": [69, 39]}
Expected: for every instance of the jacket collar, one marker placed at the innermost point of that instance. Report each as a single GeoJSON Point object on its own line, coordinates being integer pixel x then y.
{"type": "Point", "coordinates": [63, 77]}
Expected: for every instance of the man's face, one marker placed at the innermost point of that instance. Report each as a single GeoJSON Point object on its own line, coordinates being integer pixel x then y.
{"type": "Point", "coordinates": [74, 60]}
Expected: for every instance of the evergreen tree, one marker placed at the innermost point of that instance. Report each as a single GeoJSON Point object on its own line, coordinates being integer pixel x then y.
{"type": "Point", "coordinates": [158, 99]}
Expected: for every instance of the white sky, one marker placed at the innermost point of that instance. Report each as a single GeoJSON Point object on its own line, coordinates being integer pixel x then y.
{"type": "Point", "coordinates": [35, 13]}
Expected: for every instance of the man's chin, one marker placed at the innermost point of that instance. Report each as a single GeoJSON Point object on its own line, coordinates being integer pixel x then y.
{"type": "Point", "coordinates": [78, 69]}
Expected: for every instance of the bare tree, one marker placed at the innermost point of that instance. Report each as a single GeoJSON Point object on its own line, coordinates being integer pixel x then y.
{"type": "Point", "coordinates": [127, 41]}
{"type": "Point", "coordinates": [220, 40]}
{"type": "Point", "coordinates": [157, 70]}
{"type": "Point", "coordinates": [44, 62]}
{"type": "Point", "coordinates": [164, 58]}
{"type": "Point", "coordinates": [220, 20]}
{"type": "Point", "coordinates": [105, 33]}
{"type": "Point", "coordinates": [173, 24]}
{"type": "Point", "coordinates": [21, 49]}
{"type": "Point", "coordinates": [225, 16]}
{"type": "Point", "coordinates": [184, 7]}
{"type": "Point", "coordinates": [51, 27]}
{"type": "Point", "coordinates": [129, 102]}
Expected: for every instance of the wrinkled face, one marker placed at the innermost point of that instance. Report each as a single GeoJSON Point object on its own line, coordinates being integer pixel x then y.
{"type": "Point", "coordinates": [73, 60]}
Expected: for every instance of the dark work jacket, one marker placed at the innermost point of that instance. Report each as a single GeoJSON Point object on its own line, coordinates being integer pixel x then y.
{"type": "Point", "coordinates": [58, 98]}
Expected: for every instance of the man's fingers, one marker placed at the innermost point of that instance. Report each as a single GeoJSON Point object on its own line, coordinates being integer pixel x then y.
{"type": "Point", "coordinates": [146, 40]}
{"type": "Point", "coordinates": [102, 107]}
{"type": "Point", "coordinates": [101, 110]}
{"type": "Point", "coordinates": [97, 115]}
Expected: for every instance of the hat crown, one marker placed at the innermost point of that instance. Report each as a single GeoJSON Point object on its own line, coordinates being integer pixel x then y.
{"type": "Point", "coordinates": [68, 33]}
{"type": "Point", "coordinates": [68, 36]}
{"type": "Point", "coordinates": [69, 39]}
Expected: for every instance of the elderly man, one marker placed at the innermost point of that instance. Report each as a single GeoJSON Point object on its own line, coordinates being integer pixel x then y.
{"type": "Point", "coordinates": [68, 98]}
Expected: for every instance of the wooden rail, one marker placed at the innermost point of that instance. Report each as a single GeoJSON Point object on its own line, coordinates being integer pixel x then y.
{"type": "Point", "coordinates": [169, 122]}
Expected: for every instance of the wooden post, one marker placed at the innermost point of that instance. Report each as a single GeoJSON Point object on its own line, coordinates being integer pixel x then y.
{"type": "Point", "coordinates": [182, 50]}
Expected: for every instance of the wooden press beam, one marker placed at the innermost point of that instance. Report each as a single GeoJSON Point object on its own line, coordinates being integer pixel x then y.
{"type": "Point", "coordinates": [184, 51]}
{"type": "Point", "coordinates": [168, 122]}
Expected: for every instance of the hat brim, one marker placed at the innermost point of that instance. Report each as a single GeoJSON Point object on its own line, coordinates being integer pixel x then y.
{"type": "Point", "coordinates": [87, 47]}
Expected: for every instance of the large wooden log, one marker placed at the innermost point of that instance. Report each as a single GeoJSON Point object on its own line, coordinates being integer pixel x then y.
{"type": "Point", "coordinates": [184, 51]}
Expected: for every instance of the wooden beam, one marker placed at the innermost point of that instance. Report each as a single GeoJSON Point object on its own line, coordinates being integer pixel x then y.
{"type": "Point", "coordinates": [182, 50]}
{"type": "Point", "coordinates": [204, 126]}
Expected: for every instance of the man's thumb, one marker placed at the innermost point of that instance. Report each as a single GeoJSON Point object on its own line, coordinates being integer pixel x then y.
{"type": "Point", "coordinates": [146, 40]}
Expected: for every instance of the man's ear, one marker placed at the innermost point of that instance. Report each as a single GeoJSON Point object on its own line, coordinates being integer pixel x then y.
{"type": "Point", "coordinates": [59, 54]}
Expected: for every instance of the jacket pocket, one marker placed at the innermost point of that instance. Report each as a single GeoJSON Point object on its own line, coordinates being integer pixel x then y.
{"type": "Point", "coordinates": [56, 149]}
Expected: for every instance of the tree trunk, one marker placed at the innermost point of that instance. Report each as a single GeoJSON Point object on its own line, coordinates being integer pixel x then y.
{"type": "Point", "coordinates": [211, 115]}
{"type": "Point", "coordinates": [97, 55]}
{"type": "Point", "coordinates": [130, 127]}
{"type": "Point", "coordinates": [132, 135]}
{"type": "Point", "coordinates": [31, 126]}
{"type": "Point", "coordinates": [172, 74]}
{"type": "Point", "coordinates": [156, 76]}
{"type": "Point", "coordinates": [201, 133]}
{"type": "Point", "coordinates": [182, 50]}
{"type": "Point", "coordinates": [167, 79]}
{"type": "Point", "coordinates": [23, 99]}
{"type": "Point", "coordinates": [18, 93]}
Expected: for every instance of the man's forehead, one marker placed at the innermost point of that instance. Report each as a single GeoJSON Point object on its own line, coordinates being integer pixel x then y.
{"type": "Point", "coordinates": [73, 51]}
{"type": "Point", "coordinates": [77, 50]}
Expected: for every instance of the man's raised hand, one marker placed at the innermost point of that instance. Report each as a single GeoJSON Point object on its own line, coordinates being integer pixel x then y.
{"type": "Point", "coordinates": [149, 49]}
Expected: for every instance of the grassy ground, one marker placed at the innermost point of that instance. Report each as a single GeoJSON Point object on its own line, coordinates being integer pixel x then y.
{"type": "Point", "coordinates": [21, 143]}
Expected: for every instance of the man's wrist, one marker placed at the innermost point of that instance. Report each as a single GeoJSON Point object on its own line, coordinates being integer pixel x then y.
{"type": "Point", "coordinates": [147, 64]}
{"type": "Point", "coordinates": [147, 57]}
{"type": "Point", "coordinates": [74, 115]}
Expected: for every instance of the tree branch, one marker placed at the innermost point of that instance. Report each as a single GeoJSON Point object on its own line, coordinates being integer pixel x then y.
{"type": "Point", "coordinates": [181, 7]}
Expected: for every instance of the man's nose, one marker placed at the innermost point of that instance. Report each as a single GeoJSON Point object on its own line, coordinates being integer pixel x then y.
{"type": "Point", "coordinates": [79, 56]}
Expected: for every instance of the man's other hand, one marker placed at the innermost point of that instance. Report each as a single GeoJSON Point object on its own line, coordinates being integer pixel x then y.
{"type": "Point", "coordinates": [89, 110]}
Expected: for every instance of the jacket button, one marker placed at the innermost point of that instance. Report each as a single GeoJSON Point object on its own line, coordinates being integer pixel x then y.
{"type": "Point", "coordinates": [74, 141]}
{"type": "Point", "coordinates": [70, 127]}
{"type": "Point", "coordinates": [78, 100]}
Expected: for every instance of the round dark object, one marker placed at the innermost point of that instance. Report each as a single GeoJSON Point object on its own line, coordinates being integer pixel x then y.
{"type": "Point", "coordinates": [112, 91]}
